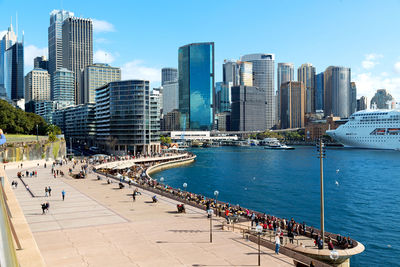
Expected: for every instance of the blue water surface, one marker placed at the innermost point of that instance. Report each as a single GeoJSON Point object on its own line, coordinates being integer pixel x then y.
{"type": "Point", "coordinates": [362, 190]}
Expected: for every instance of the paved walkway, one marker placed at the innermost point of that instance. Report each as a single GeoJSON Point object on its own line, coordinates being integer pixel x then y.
{"type": "Point", "coordinates": [99, 225]}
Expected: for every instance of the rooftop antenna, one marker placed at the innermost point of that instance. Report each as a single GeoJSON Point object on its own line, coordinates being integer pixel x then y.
{"type": "Point", "coordinates": [16, 24]}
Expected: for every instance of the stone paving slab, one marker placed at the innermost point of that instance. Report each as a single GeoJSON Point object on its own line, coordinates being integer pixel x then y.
{"type": "Point", "coordinates": [120, 232]}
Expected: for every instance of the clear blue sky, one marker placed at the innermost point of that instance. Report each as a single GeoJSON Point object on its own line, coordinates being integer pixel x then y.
{"type": "Point", "coordinates": [144, 36]}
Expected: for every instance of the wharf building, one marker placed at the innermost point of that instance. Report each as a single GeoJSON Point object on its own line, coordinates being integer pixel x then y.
{"type": "Point", "coordinates": [77, 50]}
{"type": "Point", "coordinates": [6, 42]}
{"type": "Point", "coordinates": [293, 96]}
{"type": "Point", "coordinates": [306, 75]}
{"type": "Point", "coordinates": [196, 86]}
{"type": "Point", "coordinates": [285, 73]}
{"type": "Point", "coordinates": [95, 76]}
{"type": "Point", "coordinates": [382, 100]}
{"type": "Point", "coordinates": [263, 78]}
{"type": "Point", "coordinates": [63, 91]}
{"type": "Point", "coordinates": [124, 114]}
{"type": "Point", "coordinates": [248, 109]}
{"type": "Point", "coordinates": [169, 75]}
{"type": "Point", "coordinates": [55, 44]}
{"type": "Point", "coordinates": [362, 103]}
{"type": "Point", "coordinates": [41, 63]}
{"type": "Point", "coordinates": [37, 85]}
{"type": "Point", "coordinates": [319, 92]}
{"type": "Point", "coordinates": [337, 92]}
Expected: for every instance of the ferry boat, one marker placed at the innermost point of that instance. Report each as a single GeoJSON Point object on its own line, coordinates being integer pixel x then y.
{"type": "Point", "coordinates": [376, 129]}
{"type": "Point", "coordinates": [278, 146]}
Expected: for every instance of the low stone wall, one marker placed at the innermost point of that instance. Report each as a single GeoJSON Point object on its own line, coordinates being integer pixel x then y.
{"type": "Point", "coordinates": [168, 165]}
{"type": "Point", "coordinates": [11, 152]}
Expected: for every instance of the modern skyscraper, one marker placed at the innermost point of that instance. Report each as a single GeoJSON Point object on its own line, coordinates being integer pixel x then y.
{"type": "Point", "coordinates": [41, 63]}
{"type": "Point", "coordinates": [37, 85]}
{"type": "Point", "coordinates": [263, 78]}
{"type": "Point", "coordinates": [231, 72]}
{"type": "Point", "coordinates": [245, 73]}
{"type": "Point", "coordinates": [77, 53]}
{"type": "Point", "coordinates": [223, 98]}
{"type": "Point", "coordinates": [248, 105]}
{"type": "Point", "coordinates": [196, 85]}
{"type": "Point", "coordinates": [382, 100]}
{"type": "Point", "coordinates": [337, 92]}
{"type": "Point", "coordinates": [319, 91]}
{"type": "Point", "coordinates": [292, 105]}
{"type": "Point", "coordinates": [362, 103]}
{"type": "Point", "coordinates": [63, 91]}
{"type": "Point", "coordinates": [306, 75]}
{"type": "Point", "coordinates": [285, 73]}
{"type": "Point", "coordinates": [169, 75]}
{"type": "Point", "coordinates": [353, 97]}
{"type": "Point", "coordinates": [14, 71]}
{"type": "Point", "coordinates": [57, 18]}
{"type": "Point", "coordinates": [97, 75]}
{"type": "Point", "coordinates": [8, 40]}
{"type": "Point", "coordinates": [170, 97]}
{"type": "Point", "coordinates": [123, 118]}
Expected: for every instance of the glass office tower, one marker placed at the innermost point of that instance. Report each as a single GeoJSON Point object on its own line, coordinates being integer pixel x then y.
{"type": "Point", "coordinates": [196, 86]}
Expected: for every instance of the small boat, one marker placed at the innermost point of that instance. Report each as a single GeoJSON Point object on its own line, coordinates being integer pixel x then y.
{"type": "Point", "coordinates": [279, 146]}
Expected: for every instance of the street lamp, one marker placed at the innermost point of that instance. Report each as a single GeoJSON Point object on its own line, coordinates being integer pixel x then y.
{"type": "Point", "coordinates": [259, 231]}
{"type": "Point", "coordinates": [321, 156]}
{"type": "Point", "coordinates": [210, 212]}
{"type": "Point", "coordinates": [37, 132]}
{"type": "Point", "coordinates": [216, 193]}
{"type": "Point", "coordinates": [184, 186]}
{"type": "Point", "coordinates": [162, 179]}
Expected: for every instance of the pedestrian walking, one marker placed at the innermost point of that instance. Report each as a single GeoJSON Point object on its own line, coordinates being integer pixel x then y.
{"type": "Point", "coordinates": [277, 244]}
{"type": "Point", "coordinates": [49, 189]}
{"type": "Point", "coordinates": [63, 194]}
{"type": "Point", "coordinates": [47, 206]}
{"type": "Point", "coordinates": [46, 191]}
{"type": "Point", "coordinates": [43, 208]}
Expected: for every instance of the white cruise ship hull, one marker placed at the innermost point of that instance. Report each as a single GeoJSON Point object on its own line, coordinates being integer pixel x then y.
{"type": "Point", "coordinates": [370, 129]}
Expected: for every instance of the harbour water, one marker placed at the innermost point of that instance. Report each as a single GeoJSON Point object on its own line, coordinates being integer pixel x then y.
{"type": "Point", "coordinates": [361, 190]}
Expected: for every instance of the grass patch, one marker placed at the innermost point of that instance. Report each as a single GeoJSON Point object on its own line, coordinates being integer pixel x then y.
{"type": "Point", "coordinates": [14, 138]}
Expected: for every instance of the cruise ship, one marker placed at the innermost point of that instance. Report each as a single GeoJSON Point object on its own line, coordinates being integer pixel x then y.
{"type": "Point", "coordinates": [377, 129]}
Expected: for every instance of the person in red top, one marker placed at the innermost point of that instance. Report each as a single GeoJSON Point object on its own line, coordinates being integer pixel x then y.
{"type": "Point", "coordinates": [227, 215]}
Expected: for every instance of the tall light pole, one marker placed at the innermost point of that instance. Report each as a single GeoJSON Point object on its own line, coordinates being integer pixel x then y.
{"type": "Point", "coordinates": [216, 193]}
{"type": "Point", "coordinates": [259, 231]}
{"type": "Point", "coordinates": [37, 132]}
{"type": "Point", "coordinates": [210, 212]}
{"type": "Point", "coordinates": [321, 156]}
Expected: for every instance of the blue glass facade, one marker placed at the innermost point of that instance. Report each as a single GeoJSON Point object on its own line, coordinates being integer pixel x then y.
{"type": "Point", "coordinates": [319, 91]}
{"type": "Point", "coordinates": [196, 86]}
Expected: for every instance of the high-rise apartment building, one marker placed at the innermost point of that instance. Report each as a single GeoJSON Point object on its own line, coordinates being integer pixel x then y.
{"type": "Point", "coordinates": [285, 73]}
{"type": "Point", "coordinates": [263, 78]}
{"type": "Point", "coordinates": [63, 91]}
{"type": "Point", "coordinates": [6, 41]}
{"type": "Point", "coordinates": [319, 91]}
{"type": "Point", "coordinates": [196, 86]}
{"type": "Point", "coordinates": [41, 63]}
{"type": "Point", "coordinates": [77, 49]}
{"type": "Point", "coordinates": [292, 105]}
{"type": "Point", "coordinates": [57, 18]}
{"type": "Point", "coordinates": [37, 85]}
{"type": "Point", "coordinates": [169, 75]}
{"type": "Point", "coordinates": [170, 97]}
{"type": "Point", "coordinates": [306, 75]}
{"type": "Point", "coordinates": [14, 71]}
{"type": "Point", "coordinates": [248, 109]}
{"type": "Point", "coordinates": [95, 76]}
{"type": "Point", "coordinates": [123, 118]}
{"type": "Point", "coordinates": [362, 103]}
{"type": "Point", "coordinates": [337, 92]}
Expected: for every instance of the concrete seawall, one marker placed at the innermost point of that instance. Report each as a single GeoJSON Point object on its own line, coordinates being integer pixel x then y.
{"type": "Point", "coordinates": [169, 165]}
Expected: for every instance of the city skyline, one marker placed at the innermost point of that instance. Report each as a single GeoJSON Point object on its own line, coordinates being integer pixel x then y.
{"type": "Point", "coordinates": [375, 63]}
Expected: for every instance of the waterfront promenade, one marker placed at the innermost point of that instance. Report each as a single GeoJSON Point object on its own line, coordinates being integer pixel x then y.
{"type": "Point", "coordinates": [99, 225]}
